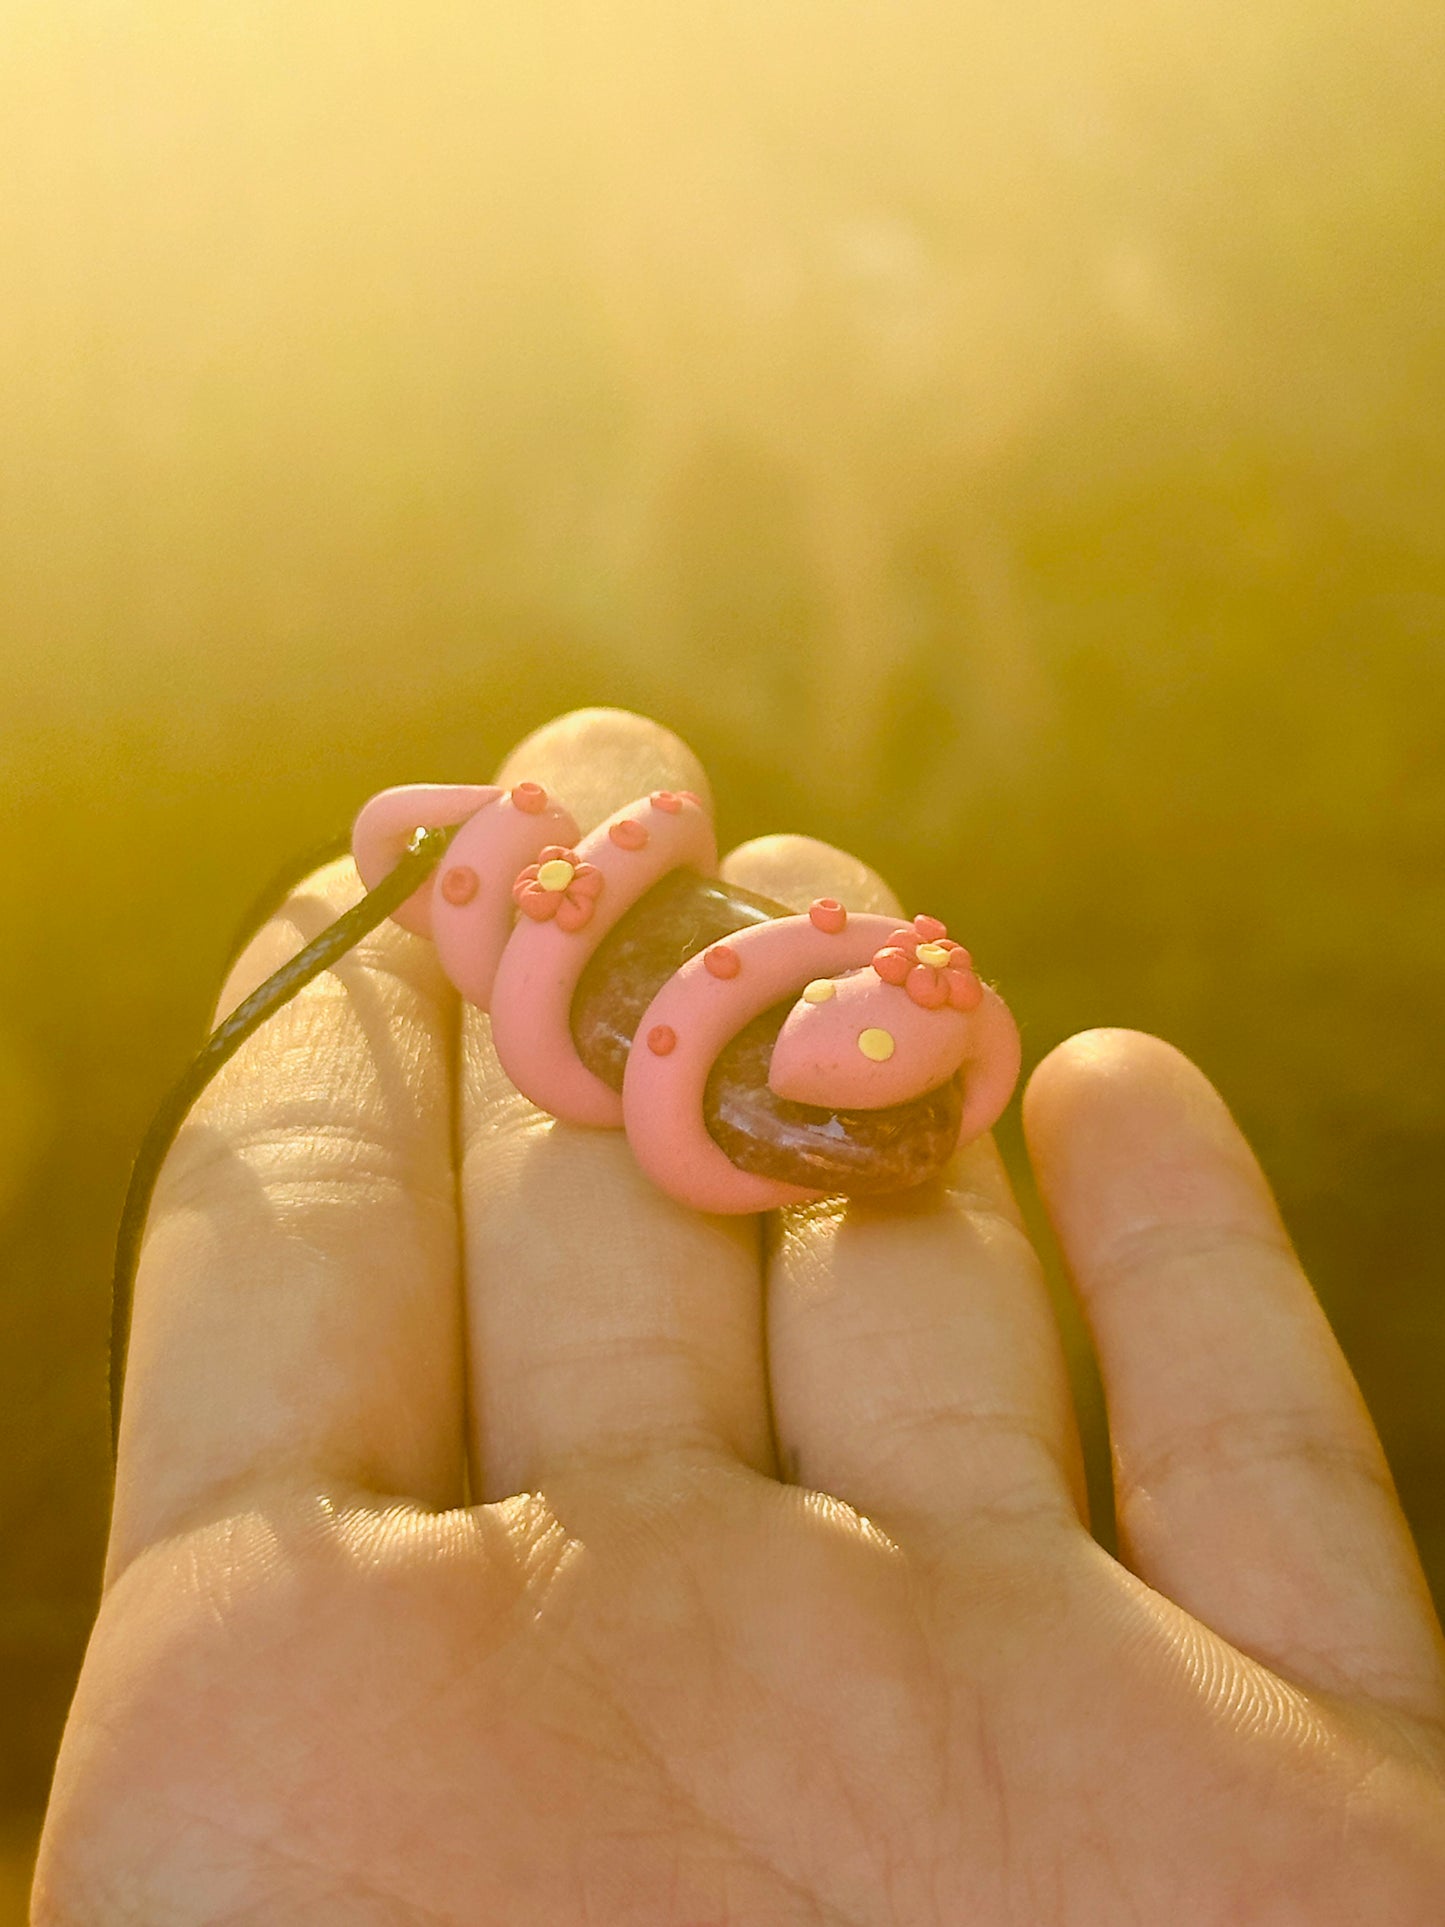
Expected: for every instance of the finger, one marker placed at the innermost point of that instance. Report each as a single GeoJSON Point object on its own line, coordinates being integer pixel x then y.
{"type": "Point", "coordinates": [916, 1366]}
{"type": "Point", "coordinates": [606, 1321]}
{"type": "Point", "coordinates": [296, 1311]}
{"type": "Point", "coordinates": [1251, 1485]}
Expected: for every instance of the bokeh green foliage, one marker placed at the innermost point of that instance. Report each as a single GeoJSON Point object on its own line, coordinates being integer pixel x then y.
{"type": "Point", "coordinates": [1007, 441]}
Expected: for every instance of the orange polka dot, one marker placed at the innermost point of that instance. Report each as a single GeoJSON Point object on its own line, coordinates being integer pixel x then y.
{"type": "Point", "coordinates": [460, 884]}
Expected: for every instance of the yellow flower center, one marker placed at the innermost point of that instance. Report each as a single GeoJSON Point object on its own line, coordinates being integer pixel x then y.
{"type": "Point", "coordinates": [819, 991]}
{"type": "Point", "coordinates": [556, 875]}
{"type": "Point", "coordinates": [932, 954]}
{"type": "Point", "coordinates": [876, 1044]}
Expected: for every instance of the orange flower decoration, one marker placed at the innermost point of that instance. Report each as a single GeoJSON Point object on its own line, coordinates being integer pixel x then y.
{"type": "Point", "coordinates": [930, 966]}
{"type": "Point", "coordinates": [559, 884]}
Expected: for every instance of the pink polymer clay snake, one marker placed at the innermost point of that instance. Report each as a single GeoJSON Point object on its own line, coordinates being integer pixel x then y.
{"type": "Point", "coordinates": [882, 1012]}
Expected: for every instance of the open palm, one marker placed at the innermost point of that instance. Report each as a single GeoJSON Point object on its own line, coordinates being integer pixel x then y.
{"type": "Point", "coordinates": [777, 1604]}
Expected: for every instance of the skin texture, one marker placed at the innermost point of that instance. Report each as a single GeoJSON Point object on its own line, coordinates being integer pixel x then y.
{"type": "Point", "coordinates": [776, 1605]}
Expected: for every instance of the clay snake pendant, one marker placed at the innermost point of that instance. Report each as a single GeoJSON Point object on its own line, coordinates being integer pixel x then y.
{"type": "Point", "coordinates": [755, 1057]}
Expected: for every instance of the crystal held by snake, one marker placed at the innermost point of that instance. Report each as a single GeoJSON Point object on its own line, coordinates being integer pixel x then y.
{"type": "Point", "coordinates": [754, 1057]}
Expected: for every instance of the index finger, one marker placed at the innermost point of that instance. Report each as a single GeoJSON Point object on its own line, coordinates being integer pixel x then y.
{"type": "Point", "coordinates": [297, 1312]}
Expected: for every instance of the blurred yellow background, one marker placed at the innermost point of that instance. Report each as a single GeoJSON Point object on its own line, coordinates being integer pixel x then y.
{"type": "Point", "coordinates": [1004, 440]}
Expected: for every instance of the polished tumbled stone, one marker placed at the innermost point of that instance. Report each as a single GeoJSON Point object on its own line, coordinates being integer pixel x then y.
{"type": "Point", "coordinates": [839, 1152]}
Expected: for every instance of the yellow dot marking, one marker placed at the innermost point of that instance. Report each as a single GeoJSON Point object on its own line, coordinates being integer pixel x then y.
{"type": "Point", "coordinates": [819, 991]}
{"type": "Point", "coordinates": [876, 1044]}
{"type": "Point", "coordinates": [555, 875]}
{"type": "Point", "coordinates": [933, 954]}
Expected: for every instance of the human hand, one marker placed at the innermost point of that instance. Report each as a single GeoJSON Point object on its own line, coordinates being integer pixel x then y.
{"type": "Point", "coordinates": [778, 1606]}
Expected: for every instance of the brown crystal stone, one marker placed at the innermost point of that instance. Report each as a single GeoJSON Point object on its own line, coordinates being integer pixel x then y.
{"type": "Point", "coordinates": [851, 1153]}
{"type": "Point", "coordinates": [842, 1152]}
{"type": "Point", "coordinates": [679, 916]}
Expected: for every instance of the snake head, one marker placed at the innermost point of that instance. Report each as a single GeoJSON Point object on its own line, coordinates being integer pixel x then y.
{"type": "Point", "coordinates": [897, 1028]}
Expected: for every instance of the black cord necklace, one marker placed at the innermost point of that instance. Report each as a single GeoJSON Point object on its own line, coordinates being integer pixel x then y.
{"type": "Point", "coordinates": [423, 853]}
